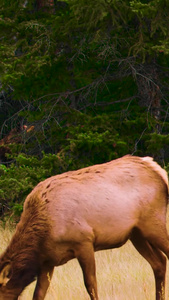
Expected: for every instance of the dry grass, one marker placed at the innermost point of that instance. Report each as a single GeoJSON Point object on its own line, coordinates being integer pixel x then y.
{"type": "Point", "coordinates": [122, 274]}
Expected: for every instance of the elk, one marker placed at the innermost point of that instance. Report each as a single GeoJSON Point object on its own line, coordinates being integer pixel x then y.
{"type": "Point", "coordinates": [74, 214]}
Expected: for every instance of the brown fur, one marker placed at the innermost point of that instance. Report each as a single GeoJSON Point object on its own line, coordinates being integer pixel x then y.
{"type": "Point", "coordinates": [76, 213]}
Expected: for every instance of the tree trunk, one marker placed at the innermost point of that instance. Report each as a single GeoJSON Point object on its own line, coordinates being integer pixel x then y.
{"type": "Point", "coordinates": [150, 96]}
{"type": "Point", "coordinates": [149, 91]}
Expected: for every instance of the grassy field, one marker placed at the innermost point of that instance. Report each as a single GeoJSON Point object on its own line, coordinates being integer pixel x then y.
{"type": "Point", "coordinates": [122, 274]}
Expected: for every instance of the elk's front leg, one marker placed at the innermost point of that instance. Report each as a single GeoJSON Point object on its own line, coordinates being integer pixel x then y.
{"type": "Point", "coordinates": [85, 256]}
{"type": "Point", "coordinates": [43, 282]}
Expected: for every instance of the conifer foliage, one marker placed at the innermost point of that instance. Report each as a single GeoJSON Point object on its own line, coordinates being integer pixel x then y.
{"type": "Point", "coordinates": [85, 82]}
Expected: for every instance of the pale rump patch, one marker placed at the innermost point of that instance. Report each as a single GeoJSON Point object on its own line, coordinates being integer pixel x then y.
{"type": "Point", "coordinates": [156, 168]}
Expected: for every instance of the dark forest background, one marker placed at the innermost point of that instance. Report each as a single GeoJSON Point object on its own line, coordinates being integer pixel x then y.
{"type": "Point", "coordinates": [82, 82]}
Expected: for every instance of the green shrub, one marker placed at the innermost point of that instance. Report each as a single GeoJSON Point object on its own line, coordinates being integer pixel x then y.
{"type": "Point", "coordinates": [17, 181]}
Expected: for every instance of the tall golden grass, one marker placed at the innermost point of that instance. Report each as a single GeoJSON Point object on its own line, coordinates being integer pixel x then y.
{"type": "Point", "coordinates": [122, 274]}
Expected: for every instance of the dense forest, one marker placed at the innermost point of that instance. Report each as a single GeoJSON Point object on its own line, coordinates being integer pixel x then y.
{"type": "Point", "coordinates": [82, 82]}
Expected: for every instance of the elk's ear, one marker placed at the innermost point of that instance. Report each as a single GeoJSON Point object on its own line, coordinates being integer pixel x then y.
{"type": "Point", "coordinates": [5, 274]}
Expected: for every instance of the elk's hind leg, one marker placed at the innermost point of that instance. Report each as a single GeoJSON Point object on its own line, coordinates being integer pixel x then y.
{"type": "Point", "coordinates": [85, 255]}
{"type": "Point", "coordinates": [156, 259]}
